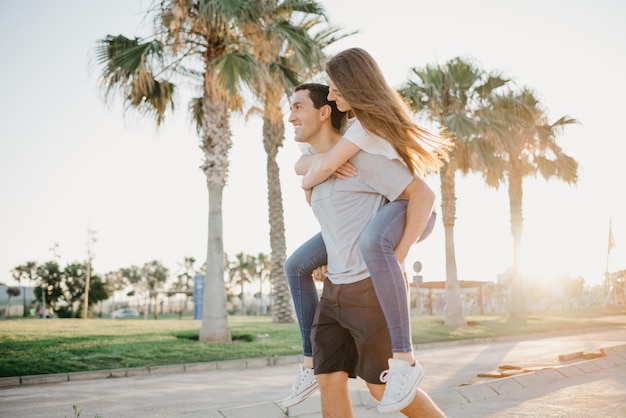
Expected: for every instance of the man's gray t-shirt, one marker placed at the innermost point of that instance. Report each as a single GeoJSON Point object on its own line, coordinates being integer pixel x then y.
{"type": "Point", "coordinates": [344, 207]}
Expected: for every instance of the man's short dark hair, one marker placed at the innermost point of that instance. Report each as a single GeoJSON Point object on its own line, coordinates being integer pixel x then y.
{"type": "Point", "coordinates": [319, 96]}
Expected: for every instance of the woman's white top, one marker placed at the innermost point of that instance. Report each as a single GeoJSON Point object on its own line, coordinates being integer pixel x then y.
{"type": "Point", "coordinates": [369, 142]}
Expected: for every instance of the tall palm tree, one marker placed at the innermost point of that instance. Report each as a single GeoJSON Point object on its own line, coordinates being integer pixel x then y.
{"type": "Point", "coordinates": [116, 282]}
{"type": "Point", "coordinates": [186, 273]}
{"type": "Point", "coordinates": [243, 269]}
{"type": "Point", "coordinates": [448, 96]}
{"type": "Point", "coordinates": [197, 40]}
{"type": "Point", "coordinates": [155, 275]}
{"type": "Point", "coordinates": [263, 269]}
{"type": "Point", "coordinates": [289, 51]}
{"type": "Point", "coordinates": [184, 279]}
{"type": "Point", "coordinates": [525, 142]}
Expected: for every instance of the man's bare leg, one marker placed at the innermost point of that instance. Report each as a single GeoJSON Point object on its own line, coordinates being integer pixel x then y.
{"type": "Point", "coordinates": [422, 406]}
{"type": "Point", "coordinates": [336, 402]}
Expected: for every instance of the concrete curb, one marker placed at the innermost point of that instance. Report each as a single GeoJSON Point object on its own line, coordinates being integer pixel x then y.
{"type": "Point", "coordinates": [6, 382]}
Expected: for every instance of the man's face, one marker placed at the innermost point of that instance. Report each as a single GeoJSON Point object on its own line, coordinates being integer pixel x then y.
{"type": "Point", "coordinates": [305, 118]}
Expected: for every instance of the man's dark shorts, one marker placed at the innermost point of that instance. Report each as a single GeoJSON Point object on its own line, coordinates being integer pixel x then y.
{"type": "Point", "coordinates": [350, 332]}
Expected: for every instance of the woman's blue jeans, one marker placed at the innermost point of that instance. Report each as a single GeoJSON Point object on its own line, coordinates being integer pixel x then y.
{"type": "Point", "coordinates": [377, 242]}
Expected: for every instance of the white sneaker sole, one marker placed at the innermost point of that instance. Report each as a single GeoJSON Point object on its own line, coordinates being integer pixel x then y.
{"type": "Point", "coordinates": [289, 402]}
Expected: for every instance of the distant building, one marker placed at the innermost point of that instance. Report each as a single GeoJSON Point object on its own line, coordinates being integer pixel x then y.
{"type": "Point", "coordinates": [25, 299]}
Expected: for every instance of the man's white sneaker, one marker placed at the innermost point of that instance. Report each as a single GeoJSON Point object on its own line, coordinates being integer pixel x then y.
{"type": "Point", "coordinates": [402, 381]}
{"type": "Point", "coordinates": [304, 385]}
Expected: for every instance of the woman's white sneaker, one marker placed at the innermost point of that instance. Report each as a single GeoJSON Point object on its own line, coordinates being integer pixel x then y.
{"type": "Point", "coordinates": [402, 381]}
{"type": "Point", "coordinates": [303, 386]}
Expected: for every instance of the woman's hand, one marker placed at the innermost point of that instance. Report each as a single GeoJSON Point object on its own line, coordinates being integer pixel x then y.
{"type": "Point", "coordinates": [329, 163]}
{"type": "Point", "coordinates": [346, 170]}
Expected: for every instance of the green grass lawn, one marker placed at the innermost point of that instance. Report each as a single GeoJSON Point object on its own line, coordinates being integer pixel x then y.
{"type": "Point", "coordinates": [38, 346]}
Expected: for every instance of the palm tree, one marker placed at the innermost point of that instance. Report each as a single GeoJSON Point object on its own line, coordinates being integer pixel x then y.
{"type": "Point", "coordinates": [262, 269]}
{"type": "Point", "coordinates": [448, 96]}
{"type": "Point", "coordinates": [243, 268]}
{"type": "Point", "coordinates": [207, 41]}
{"type": "Point", "coordinates": [184, 280]}
{"type": "Point", "coordinates": [146, 281]}
{"type": "Point", "coordinates": [288, 53]}
{"type": "Point", "coordinates": [133, 276]}
{"type": "Point", "coordinates": [116, 282]}
{"type": "Point", "coordinates": [525, 142]}
{"type": "Point", "coordinates": [196, 40]}
{"type": "Point", "coordinates": [154, 277]}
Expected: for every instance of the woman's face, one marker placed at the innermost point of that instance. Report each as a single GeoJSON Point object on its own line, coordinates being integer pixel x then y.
{"type": "Point", "coordinates": [335, 96]}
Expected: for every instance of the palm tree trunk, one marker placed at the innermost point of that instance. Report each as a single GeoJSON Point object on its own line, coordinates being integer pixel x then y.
{"type": "Point", "coordinates": [454, 304]}
{"type": "Point", "coordinates": [282, 311]}
{"type": "Point", "coordinates": [216, 145]}
{"type": "Point", "coordinates": [518, 285]}
{"type": "Point", "coordinates": [214, 314]}
{"type": "Point", "coordinates": [273, 135]}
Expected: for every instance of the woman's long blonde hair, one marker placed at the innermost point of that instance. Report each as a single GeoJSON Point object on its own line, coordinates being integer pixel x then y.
{"type": "Point", "coordinates": [382, 111]}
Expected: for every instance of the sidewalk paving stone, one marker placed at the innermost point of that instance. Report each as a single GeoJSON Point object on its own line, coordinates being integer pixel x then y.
{"type": "Point", "coordinates": [570, 370]}
{"type": "Point", "coordinates": [505, 385]}
{"type": "Point", "coordinates": [588, 366]}
{"type": "Point", "coordinates": [529, 380]}
{"type": "Point", "coordinates": [448, 398]}
{"type": "Point", "coordinates": [550, 375]}
{"type": "Point", "coordinates": [476, 392]}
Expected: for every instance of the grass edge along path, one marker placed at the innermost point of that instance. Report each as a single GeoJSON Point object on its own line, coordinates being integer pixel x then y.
{"type": "Point", "coordinates": [37, 346]}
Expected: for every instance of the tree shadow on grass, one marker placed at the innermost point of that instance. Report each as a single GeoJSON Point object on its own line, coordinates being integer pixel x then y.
{"type": "Point", "coordinates": [195, 336]}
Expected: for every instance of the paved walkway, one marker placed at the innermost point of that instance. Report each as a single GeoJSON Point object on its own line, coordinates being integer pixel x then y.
{"type": "Point", "coordinates": [577, 386]}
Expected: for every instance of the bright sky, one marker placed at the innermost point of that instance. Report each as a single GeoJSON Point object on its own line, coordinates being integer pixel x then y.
{"type": "Point", "coordinates": [68, 163]}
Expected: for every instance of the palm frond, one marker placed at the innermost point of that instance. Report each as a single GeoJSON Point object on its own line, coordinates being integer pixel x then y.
{"type": "Point", "coordinates": [121, 53]}
{"type": "Point", "coordinates": [492, 83]}
{"type": "Point", "coordinates": [564, 121]}
{"type": "Point", "coordinates": [563, 167]}
{"type": "Point", "coordinates": [231, 69]}
{"type": "Point", "coordinates": [460, 124]}
{"type": "Point", "coordinates": [491, 164]}
{"type": "Point", "coordinates": [227, 8]}
{"type": "Point", "coordinates": [288, 76]}
{"type": "Point", "coordinates": [128, 67]}
{"type": "Point", "coordinates": [308, 7]}
{"type": "Point", "coordinates": [196, 113]}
